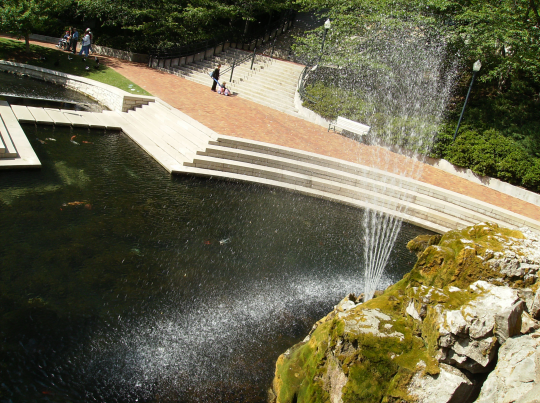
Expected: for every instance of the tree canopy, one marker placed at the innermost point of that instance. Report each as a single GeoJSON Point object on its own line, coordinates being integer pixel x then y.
{"type": "Point", "coordinates": [167, 23]}
{"type": "Point", "coordinates": [23, 17]}
{"type": "Point", "coordinates": [366, 39]}
{"type": "Point", "coordinates": [505, 34]}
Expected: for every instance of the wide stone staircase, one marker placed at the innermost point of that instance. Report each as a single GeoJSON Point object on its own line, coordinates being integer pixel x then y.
{"type": "Point", "coordinates": [270, 82]}
{"type": "Point", "coordinates": [183, 145]}
{"type": "Point", "coordinates": [353, 184]}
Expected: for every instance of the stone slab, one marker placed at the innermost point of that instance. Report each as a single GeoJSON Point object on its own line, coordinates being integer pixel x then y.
{"type": "Point", "coordinates": [40, 116]}
{"type": "Point", "coordinates": [8, 148]}
{"type": "Point", "coordinates": [10, 151]}
{"type": "Point", "coordinates": [177, 127]}
{"type": "Point", "coordinates": [75, 118]}
{"type": "Point", "coordinates": [94, 119]}
{"type": "Point", "coordinates": [138, 135]}
{"type": "Point", "coordinates": [111, 120]}
{"type": "Point", "coordinates": [57, 117]}
{"type": "Point", "coordinates": [173, 147]}
{"type": "Point", "coordinates": [27, 158]}
{"type": "Point", "coordinates": [23, 114]}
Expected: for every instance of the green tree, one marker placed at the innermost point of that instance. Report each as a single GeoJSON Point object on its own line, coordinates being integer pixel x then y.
{"type": "Point", "coordinates": [168, 23]}
{"type": "Point", "coordinates": [22, 17]}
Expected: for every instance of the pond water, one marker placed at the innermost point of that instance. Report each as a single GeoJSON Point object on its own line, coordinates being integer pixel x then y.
{"type": "Point", "coordinates": [120, 283]}
{"type": "Point", "coordinates": [24, 90]}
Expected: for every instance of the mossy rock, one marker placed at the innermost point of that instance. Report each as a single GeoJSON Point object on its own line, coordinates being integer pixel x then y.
{"type": "Point", "coordinates": [419, 244]}
{"type": "Point", "coordinates": [353, 357]}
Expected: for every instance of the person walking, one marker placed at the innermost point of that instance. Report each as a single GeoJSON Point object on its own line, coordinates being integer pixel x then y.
{"type": "Point", "coordinates": [215, 77]}
{"type": "Point", "coordinates": [90, 50]}
{"type": "Point", "coordinates": [85, 43]}
{"type": "Point", "coordinates": [74, 40]}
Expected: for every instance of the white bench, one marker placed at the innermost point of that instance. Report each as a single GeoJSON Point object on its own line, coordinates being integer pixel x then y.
{"type": "Point", "coordinates": [351, 126]}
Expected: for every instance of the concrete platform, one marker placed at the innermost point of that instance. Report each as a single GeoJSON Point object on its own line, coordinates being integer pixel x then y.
{"type": "Point", "coordinates": [22, 154]}
{"type": "Point", "coordinates": [40, 115]}
{"type": "Point", "coordinates": [58, 118]}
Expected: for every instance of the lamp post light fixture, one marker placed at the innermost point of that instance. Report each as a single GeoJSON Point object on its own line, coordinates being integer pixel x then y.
{"type": "Point", "coordinates": [476, 68]}
{"type": "Point", "coordinates": [327, 25]}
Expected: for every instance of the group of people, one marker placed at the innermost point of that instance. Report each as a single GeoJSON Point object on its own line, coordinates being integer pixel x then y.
{"type": "Point", "coordinates": [216, 86]}
{"type": "Point", "coordinates": [71, 38]}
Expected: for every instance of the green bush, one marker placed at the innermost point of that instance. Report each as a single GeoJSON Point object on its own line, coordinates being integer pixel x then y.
{"type": "Point", "coordinates": [489, 153]}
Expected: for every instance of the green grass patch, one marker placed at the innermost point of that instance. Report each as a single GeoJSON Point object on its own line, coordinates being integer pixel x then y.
{"type": "Point", "coordinates": [57, 60]}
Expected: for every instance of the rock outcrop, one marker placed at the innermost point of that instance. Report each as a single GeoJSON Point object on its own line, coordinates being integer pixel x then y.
{"type": "Point", "coordinates": [516, 373]}
{"type": "Point", "coordinates": [468, 308]}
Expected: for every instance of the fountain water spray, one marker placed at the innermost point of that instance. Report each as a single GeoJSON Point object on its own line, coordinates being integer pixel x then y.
{"type": "Point", "coordinates": [396, 77]}
{"type": "Point", "coordinates": [411, 80]}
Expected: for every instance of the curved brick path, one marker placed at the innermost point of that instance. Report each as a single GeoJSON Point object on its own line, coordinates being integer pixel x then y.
{"type": "Point", "coordinates": [238, 117]}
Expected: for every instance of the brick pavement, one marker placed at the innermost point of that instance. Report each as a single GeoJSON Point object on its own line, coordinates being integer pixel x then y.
{"type": "Point", "coordinates": [238, 117]}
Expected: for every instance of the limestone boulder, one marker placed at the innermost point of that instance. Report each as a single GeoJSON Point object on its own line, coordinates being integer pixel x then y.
{"type": "Point", "coordinates": [449, 385]}
{"type": "Point", "coordinates": [517, 371]}
{"type": "Point", "coordinates": [469, 336]}
{"type": "Point", "coordinates": [528, 324]}
{"type": "Point", "coordinates": [519, 260]}
{"type": "Point", "coordinates": [535, 309]}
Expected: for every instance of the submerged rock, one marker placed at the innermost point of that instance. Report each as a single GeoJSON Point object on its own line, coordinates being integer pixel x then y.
{"type": "Point", "coordinates": [425, 337]}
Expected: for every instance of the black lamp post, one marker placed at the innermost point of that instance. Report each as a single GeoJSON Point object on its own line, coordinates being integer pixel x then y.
{"type": "Point", "coordinates": [327, 25]}
{"type": "Point", "coordinates": [476, 68]}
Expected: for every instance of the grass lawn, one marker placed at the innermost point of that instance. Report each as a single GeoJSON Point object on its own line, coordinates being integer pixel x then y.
{"type": "Point", "coordinates": [53, 59]}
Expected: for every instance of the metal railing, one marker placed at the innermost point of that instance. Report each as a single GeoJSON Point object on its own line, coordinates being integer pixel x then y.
{"type": "Point", "coordinates": [302, 84]}
{"type": "Point", "coordinates": [231, 36]}
{"type": "Point", "coordinates": [252, 56]}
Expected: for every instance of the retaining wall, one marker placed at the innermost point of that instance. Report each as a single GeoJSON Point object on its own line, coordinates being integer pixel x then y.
{"type": "Point", "coordinates": [111, 97]}
{"type": "Point", "coordinates": [100, 50]}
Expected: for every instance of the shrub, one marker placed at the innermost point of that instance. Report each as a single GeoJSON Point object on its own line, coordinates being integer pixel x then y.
{"type": "Point", "coordinates": [489, 153]}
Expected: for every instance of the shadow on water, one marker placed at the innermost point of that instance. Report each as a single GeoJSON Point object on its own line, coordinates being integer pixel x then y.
{"type": "Point", "coordinates": [28, 91]}
{"type": "Point", "coordinates": [119, 283]}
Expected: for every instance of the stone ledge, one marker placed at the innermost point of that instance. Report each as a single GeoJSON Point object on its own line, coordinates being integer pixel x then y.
{"type": "Point", "coordinates": [101, 50]}
{"type": "Point", "coordinates": [111, 97]}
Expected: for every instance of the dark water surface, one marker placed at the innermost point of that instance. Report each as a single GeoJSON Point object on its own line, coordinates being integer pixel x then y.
{"type": "Point", "coordinates": [120, 283]}
{"type": "Point", "coordinates": [24, 90]}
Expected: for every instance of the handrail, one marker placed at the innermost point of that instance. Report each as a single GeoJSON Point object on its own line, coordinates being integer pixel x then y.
{"type": "Point", "coordinates": [229, 36]}
{"type": "Point", "coordinates": [251, 55]}
{"type": "Point", "coordinates": [301, 83]}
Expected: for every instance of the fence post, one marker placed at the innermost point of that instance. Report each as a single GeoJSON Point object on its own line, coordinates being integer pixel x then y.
{"type": "Point", "coordinates": [253, 58]}
{"type": "Point", "coordinates": [232, 70]}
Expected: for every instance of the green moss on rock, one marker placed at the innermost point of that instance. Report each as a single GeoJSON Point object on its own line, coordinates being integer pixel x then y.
{"type": "Point", "coordinates": [370, 353]}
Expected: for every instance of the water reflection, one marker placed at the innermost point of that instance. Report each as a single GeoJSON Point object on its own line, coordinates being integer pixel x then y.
{"type": "Point", "coordinates": [28, 91]}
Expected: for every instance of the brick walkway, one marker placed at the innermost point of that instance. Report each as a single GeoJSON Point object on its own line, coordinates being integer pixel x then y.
{"type": "Point", "coordinates": [238, 117]}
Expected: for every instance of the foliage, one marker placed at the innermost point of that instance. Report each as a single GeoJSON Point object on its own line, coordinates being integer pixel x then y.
{"type": "Point", "coordinates": [13, 51]}
{"type": "Point", "coordinates": [489, 153]}
{"type": "Point", "coordinates": [504, 35]}
{"type": "Point", "coordinates": [22, 17]}
{"type": "Point", "coordinates": [142, 24]}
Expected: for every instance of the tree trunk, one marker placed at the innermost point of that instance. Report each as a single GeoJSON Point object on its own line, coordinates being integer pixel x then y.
{"type": "Point", "coordinates": [27, 41]}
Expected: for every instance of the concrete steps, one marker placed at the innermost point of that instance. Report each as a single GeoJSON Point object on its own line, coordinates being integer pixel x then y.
{"type": "Point", "coordinates": [270, 82]}
{"type": "Point", "coordinates": [421, 204]}
{"type": "Point", "coordinates": [184, 146]}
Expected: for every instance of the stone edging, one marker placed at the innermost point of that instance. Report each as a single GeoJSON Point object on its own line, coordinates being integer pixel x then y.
{"type": "Point", "coordinates": [107, 95]}
{"type": "Point", "coordinates": [100, 50]}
